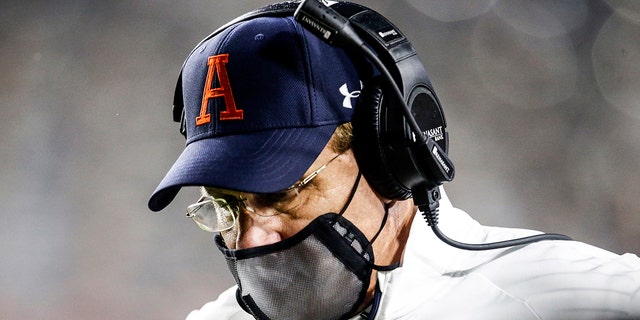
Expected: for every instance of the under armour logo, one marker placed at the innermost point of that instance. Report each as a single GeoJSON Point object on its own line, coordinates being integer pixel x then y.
{"type": "Point", "coordinates": [344, 90]}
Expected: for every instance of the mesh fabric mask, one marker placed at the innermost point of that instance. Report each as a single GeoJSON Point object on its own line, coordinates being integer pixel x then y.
{"type": "Point", "coordinates": [322, 272]}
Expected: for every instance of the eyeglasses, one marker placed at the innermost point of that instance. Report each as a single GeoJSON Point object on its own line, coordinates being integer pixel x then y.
{"type": "Point", "coordinates": [217, 214]}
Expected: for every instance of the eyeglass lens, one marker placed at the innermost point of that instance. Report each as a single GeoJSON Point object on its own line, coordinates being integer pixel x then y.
{"type": "Point", "coordinates": [212, 215]}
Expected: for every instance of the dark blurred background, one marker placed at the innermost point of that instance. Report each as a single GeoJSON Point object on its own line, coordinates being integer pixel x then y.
{"type": "Point", "coordinates": [542, 100]}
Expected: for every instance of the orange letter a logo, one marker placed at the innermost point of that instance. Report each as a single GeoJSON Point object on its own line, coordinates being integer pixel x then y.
{"type": "Point", "coordinates": [218, 65]}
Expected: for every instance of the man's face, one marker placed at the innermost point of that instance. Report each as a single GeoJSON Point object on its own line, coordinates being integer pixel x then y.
{"type": "Point", "coordinates": [269, 218]}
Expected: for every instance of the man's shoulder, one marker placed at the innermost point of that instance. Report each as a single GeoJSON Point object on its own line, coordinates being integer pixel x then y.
{"type": "Point", "coordinates": [225, 307]}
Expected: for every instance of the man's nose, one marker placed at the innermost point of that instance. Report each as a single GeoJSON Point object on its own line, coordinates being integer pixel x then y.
{"type": "Point", "coordinates": [257, 231]}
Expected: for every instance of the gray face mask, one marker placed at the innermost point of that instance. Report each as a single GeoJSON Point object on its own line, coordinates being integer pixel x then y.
{"type": "Point", "coordinates": [322, 272]}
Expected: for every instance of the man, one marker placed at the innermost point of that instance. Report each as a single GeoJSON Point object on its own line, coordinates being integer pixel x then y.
{"type": "Point", "coordinates": [309, 231]}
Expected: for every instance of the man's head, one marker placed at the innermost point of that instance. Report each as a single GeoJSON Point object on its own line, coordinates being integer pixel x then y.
{"type": "Point", "coordinates": [268, 110]}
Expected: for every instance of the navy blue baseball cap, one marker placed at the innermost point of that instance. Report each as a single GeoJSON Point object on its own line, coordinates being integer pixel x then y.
{"type": "Point", "coordinates": [261, 100]}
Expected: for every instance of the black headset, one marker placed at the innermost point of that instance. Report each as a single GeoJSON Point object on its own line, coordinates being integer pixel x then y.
{"type": "Point", "coordinates": [400, 139]}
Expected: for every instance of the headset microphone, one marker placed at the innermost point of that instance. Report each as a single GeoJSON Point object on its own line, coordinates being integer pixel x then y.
{"type": "Point", "coordinates": [336, 29]}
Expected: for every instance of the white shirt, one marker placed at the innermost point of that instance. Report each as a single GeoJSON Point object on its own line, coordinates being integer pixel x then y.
{"type": "Point", "coordinates": [545, 280]}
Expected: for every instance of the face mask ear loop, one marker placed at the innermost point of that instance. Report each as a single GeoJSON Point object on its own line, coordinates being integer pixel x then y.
{"type": "Point", "coordinates": [382, 224]}
{"type": "Point", "coordinates": [384, 221]}
{"type": "Point", "coordinates": [352, 194]}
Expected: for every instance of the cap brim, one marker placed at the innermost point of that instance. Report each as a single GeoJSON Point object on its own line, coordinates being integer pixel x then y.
{"type": "Point", "coordinates": [260, 162]}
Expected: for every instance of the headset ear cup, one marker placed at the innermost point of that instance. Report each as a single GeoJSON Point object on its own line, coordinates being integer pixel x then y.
{"type": "Point", "coordinates": [369, 144]}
